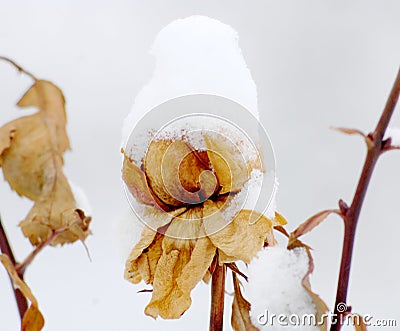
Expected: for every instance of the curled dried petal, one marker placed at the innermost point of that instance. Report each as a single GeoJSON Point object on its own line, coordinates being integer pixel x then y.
{"type": "Point", "coordinates": [183, 264]}
{"type": "Point", "coordinates": [228, 162]}
{"type": "Point", "coordinates": [134, 270]}
{"type": "Point", "coordinates": [33, 319]}
{"type": "Point", "coordinates": [135, 179]}
{"type": "Point", "coordinates": [240, 239]}
{"type": "Point", "coordinates": [173, 171]}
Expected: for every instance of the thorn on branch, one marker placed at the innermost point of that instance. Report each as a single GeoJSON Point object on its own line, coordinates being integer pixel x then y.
{"type": "Point", "coordinates": [343, 206]}
{"type": "Point", "coordinates": [386, 143]}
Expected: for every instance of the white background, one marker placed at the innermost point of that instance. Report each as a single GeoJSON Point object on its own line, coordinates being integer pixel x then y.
{"type": "Point", "coordinates": [316, 64]}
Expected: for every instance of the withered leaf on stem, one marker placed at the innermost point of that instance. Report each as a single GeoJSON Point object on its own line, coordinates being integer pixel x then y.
{"type": "Point", "coordinates": [312, 222]}
{"type": "Point", "coordinates": [358, 321]}
{"type": "Point", "coordinates": [33, 319]}
{"type": "Point", "coordinates": [31, 155]}
{"type": "Point", "coordinates": [320, 307]}
{"type": "Point", "coordinates": [349, 131]}
{"type": "Point", "coordinates": [240, 319]}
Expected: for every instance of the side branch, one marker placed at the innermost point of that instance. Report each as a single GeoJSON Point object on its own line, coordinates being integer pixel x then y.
{"type": "Point", "coordinates": [18, 67]}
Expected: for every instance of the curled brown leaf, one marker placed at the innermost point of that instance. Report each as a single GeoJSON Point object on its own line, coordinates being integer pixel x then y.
{"type": "Point", "coordinates": [320, 307]}
{"type": "Point", "coordinates": [31, 156]}
{"type": "Point", "coordinates": [240, 318]}
{"type": "Point", "coordinates": [350, 131]}
{"type": "Point", "coordinates": [358, 321]}
{"type": "Point", "coordinates": [312, 222]}
{"type": "Point", "coordinates": [33, 319]}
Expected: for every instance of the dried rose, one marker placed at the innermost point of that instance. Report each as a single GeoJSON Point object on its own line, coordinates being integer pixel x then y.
{"type": "Point", "coordinates": [183, 193]}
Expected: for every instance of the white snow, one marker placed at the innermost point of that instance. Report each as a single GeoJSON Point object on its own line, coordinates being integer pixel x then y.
{"type": "Point", "coordinates": [254, 196]}
{"type": "Point", "coordinates": [81, 199]}
{"type": "Point", "coordinates": [195, 55]}
{"type": "Point", "coordinates": [275, 287]}
{"type": "Point", "coordinates": [127, 229]}
{"type": "Point", "coordinates": [393, 133]}
{"type": "Point", "coordinates": [192, 129]}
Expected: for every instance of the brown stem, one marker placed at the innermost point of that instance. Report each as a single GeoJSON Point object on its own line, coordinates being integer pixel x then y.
{"type": "Point", "coordinates": [21, 267]}
{"type": "Point", "coordinates": [6, 249]}
{"type": "Point", "coordinates": [217, 298]}
{"type": "Point", "coordinates": [351, 216]}
{"type": "Point", "coordinates": [18, 67]}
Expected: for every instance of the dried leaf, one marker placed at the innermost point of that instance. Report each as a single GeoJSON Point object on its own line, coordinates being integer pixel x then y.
{"type": "Point", "coordinates": [31, 149]}
{"type": "Point", "coordinates": [228, 163]}
{"type": "Point", "coordinates": [6, 135]}
{"type": "Point", "coordinates": [320, 306]}
{"type": "Point", "coordinates": [358, 321]}
{"type": "Point", "coordinates": [312, 222]}
{"type": "Point", "coordinates": [239, 239]}
{"type": "Point", "coordinates": [236, 270]}
{"type": "Point", "coordinates": [33, 319]}
{"type": "Point", "coordinates": [356, 132]}
{"type": "Point", "coordinates": [350, 131]}
{"type": "Point", "coordinates": [240, 318]}
{"type": "Point", "coordinates": [278, 220]}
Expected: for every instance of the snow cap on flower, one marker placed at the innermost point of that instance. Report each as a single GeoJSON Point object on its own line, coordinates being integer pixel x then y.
{"type": "Point", "coordinates": [194, 164]}
{"type": "Point", "coordinates": [195, 55]}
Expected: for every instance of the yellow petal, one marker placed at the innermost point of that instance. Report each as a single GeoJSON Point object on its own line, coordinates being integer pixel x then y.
{"type": "Point", "coordinates": [196, 269]}
{"type": "Point", "coordinates": [183, 264]}
{"type": "Point", "coordinates": [155, 219]}
{"type": "Point", "coordinates": [135, 179]}
{"type": "Point", "coordinates": [242, 238]}
{"type": "Point", "coordinates": [165, 290]}
{"type": "Point", "coordinates": [173, 171]}
{"type": "Point", "coordinates": [228, 162]}
{"type": "Point", "coordinates": [148, 260]}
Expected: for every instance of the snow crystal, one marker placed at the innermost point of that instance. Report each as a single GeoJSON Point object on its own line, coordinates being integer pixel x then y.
{"type": "Point", "coordinates": [393, 133]}
{"type": "Point", "coordinates": [252, 196]}
{"type": "Point", "coordinates": [274, 287]}
{"type": "Point", "coordinates": [195, 55]}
